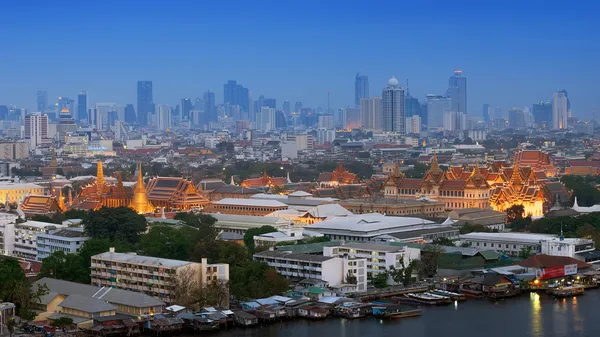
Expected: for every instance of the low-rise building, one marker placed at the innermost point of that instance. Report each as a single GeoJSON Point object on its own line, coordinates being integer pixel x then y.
{"type": "Point", "coordinates": [24, 238]}
{"type": "Point", "coordinates": [397, 207]}
{"type": "Point", "coordinates": [239, 224]}
{"type": "Point", "coordinates": [15, 192]}
{"type": "Point", "coordinates": [375, 227]}
{"type": "Point", "coordinates": [150, 275]}
{"type": "Point", "coordinates": [7, 311]}
{"type": "Point", "coordinates": [336, 271]}
{"type": "Point", "coordinates": [476, 216]}
{"type": "Point", "coordinates": [379, 257]}
{"type": "Point", "coordinates": [513, 243]}
{"type": "Point", "coordinates": [245, 206]}
{"type": "Point", "coordinates": [68, 240]}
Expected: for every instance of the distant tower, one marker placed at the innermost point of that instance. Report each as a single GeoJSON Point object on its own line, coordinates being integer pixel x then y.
{"type": "Point", "coordinates": [145, 105]}
{"type": "Point", "coordinates": [392, 107]}
{"type": "Point", "coordinates": [361, 88]}
{"type": "Point", "coordinates": [140, 198]}
{"type": "Point", "coordinates": [457, 91]}
{"type": "Point", "coordinates": [560, 110]}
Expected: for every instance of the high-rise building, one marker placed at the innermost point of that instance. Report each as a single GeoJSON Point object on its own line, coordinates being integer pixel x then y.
{"type": "Point", "coordinates": [66, 123]}
{"type": "Point", "coordinates": [287, 106]}
{"type": "Point", "coordinates": [145, 105]}
{"type": "Point", "coordinates": [486, 113]}
{"type": "Point", "coordinates": [82, 106]}
{"type": "Point", "coordinates": [186, 108]}
{"type": "Point", "coordinates": [210, 109]}
{"type": "Point", "coordinates": [236, 94]}
{"type": "Point", "coordinates": [361, 88]}
{"type": "Point", "coordinates": [326, 122]}
{"type": "Point", "coordinates": [352, 118]}
{"type": "Point", "coordinates": [164, 117]}
{"type": "Point", "coordinates": [4, 112]}
{"type": "Point", "coordinates": [498, 112]}
{"type": "Point", "coordinates": [560, 110]}
{"type": "Point", "coordinates": [413, 125]}
{"type": "Point", "coordinates": [130, 116]}
{"type": "Point", "coordinates": [436, 107]}
{"type": "Point", "coordinates": [392, 107]}
{"type": "Point", "coordinates": [412, 107]}
{"type": "Point", "coordinates": [36, 129]}
{"type": "Point", "coordinates": [370, 113]}
{"type": "Point", "coordinates": [457, 91]}
{"type": "Point", "coordinates": [265, 120]}
{"type": "Point", "coordinates": [65, 103]}
{"type": "Point", "coordinates": [340, 119]}
{"type": "Point", "coordinates": [516, 118]}
{"type": "Point", "coordinates": [42, 100]}
{"type": "Point", "coordinates": [542, 113]}
{"type": "Point", "coordinates": [103, 115]}
{"type": "Point", "coordinates": [298, 107]}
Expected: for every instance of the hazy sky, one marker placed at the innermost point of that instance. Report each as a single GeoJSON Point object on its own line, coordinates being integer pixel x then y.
{"type": "Point", "coordinates": [513, 53]}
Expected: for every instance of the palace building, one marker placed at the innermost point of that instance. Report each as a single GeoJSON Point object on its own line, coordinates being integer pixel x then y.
{"type": "Point", "coordinates": [341, 184]}
{"type": "Point", "coordinates": [174, 194]}
{"type": "Point", "coordinates": [264, 181]}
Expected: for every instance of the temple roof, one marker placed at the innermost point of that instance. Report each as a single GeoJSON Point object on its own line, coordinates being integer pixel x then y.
{"type": "Point", "coordinates": [175, 191]}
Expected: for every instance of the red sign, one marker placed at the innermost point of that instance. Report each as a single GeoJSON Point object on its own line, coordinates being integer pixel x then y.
{"type": "Point", "coordinates": [555, 272]}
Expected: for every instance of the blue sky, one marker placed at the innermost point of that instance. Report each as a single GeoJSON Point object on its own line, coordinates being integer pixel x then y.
{"type": "Point", "coordinates": [512, 52]}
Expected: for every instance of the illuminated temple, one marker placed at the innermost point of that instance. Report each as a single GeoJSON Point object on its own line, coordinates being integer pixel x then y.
{"type": "Point", "coordinates": [496, 185]}
{"type": "Point", "coordinates": [264, 181]}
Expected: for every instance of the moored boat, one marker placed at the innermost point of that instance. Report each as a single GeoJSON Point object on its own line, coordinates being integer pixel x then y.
{"type": "Point", "coordinates": [566, 291]}
{"type": "Point", "coordinates": [394, 312]}
{"type": "Point", "coordinates": [454, 296]}
{"type": "Point", "coordinates": [424, 298]}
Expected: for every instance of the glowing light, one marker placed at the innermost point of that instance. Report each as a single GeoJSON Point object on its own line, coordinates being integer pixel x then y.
{"type": "Point", "coordinates": [536, 282]}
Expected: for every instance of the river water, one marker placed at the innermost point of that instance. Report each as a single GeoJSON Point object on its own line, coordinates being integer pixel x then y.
{"type": "Point", "coordinates": [530, 315]}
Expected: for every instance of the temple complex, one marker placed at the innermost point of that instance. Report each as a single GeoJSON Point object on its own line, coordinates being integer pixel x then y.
{"type": "Point", "coordinates": [264, 181]}
{"type": "Point", "coordinates": [101, 193]}
{"type": "Point", "coordinates": [174, 194]}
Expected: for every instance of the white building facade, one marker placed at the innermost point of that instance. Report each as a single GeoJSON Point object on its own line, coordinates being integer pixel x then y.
{"type": "Point", "coordinates": [67, 240]}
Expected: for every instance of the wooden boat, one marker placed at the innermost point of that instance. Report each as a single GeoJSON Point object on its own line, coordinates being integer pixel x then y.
{"type": "Point", "coordinates": [394, 312]}
{"type": "Point", "coordinates": [472, 293]}
{"type": "Point", "coordinates": [424, 298]}
{"type": "Point", "coordinates": [566, 291]}
{"type": "Point", "coordinates": [452, 295]}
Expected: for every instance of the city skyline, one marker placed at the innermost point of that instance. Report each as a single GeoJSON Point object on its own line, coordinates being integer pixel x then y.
{"type": "Point", "coordinates": [489, 56]}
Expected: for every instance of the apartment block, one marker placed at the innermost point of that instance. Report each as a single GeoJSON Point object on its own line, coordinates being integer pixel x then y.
{"type": "Point", "coordinates": [150, 275]}
{"type": "Point", "coordinates": [68, 240]}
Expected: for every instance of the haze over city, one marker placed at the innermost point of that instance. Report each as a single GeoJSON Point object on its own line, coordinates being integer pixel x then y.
{"type": "Point", "coordinates": [513, 53]}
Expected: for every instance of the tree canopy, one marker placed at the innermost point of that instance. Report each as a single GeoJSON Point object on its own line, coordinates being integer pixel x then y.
{"type": "Point", "coordinates": [249, 236]}
{"type": "Point", "coordinates": [68, 267]}
{"type": "Point", "coordinates": [203, 222]}
{"type": "Point", "coordinates": [115, 224]}
{"type": "Point", "coordinates": [256, 279]}
{"type": "Point", "coordinates": [168, 242]}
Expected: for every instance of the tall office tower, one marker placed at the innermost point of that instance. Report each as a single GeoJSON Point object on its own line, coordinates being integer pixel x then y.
{"type": "Point", "coordinates": [270, 103]}
{"type": "Point", "coordinates": [82, 107]}
{"type": "Point", "coordinates": [236, 94]}
{"type": "Point", "coordinates": [287, 107]}
{"type": "Point", "coordinates": [486, 113]}
{"type": "Point", "coordinates": [265, 120]}
{"type": "Point", "coordinates": [560, 110]}
{"type": "Point", "coordinates": [413, 125]}
{"type": "Point", "coordinates": [130, 117]}
{"type": "Point", "coordinates": [298, 107]}
{"type": "Point", "coordinates": [42, 100]}
{"type": "Point", "coordinates": [370, 113]}
{"type": "Point", "coordinates": [65, 103]}
{"type": "Point", "coordinates": [457, 91]}
{"type": "Point", "coordinates": [3, 112]}
{"type": "Point", "coordinates": [164, 117]}
{"type": "Point", "coordinates": [121, 134]}
{"type": "Point", "coordinates": [392, 107]}
{"type": "Point", "coordinates": [280, 120]}
{"type": "Point", "coordinates": [516, 118]}
{"type": "Point", "coordinates": [326, 121]}
{"type": "Point", "coordinates": [436, 107]}
{"type": "Point", "coordinates": [36, 129]}
{"type": "Point", "coordinates": [412, 107]}
{"type": "Point", "coordinates": [145, 105]}
{"type": "Point", "coordinates": [210, 109]}
{"type": "Point", "coordinates": [66, 124]}
{"type": "Point", "coordinates": [339, 119]}
{"type": "Point", "coordinates": [542, 113]}
{"type": "Point", "coordinates": [103, 115]}
{"type": "Point", "coordinates": [186, 108]}
{"type": "Point", "coordinates": [352, 118]}
{"type": "Point", "coordinates": [361, 88]}
{"type": "Point", "coordinates": [498, 112]}
{"type": "Point", "coordinates": [423, 113]}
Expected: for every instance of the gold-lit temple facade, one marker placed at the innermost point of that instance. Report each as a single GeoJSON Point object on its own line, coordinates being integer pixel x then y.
{"type": "Point", "coordinates": [101, 193]}
{"type": "Point", "coordinates": [264, 181]}
{"type": "Point", "coordinates": [174, 194]}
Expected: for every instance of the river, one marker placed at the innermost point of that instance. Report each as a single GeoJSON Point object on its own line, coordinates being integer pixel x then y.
{"type": "Point", "coordinates": [530, 315]}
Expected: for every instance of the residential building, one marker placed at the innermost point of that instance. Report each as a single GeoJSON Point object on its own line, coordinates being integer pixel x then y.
{"type": "Point", "coordinates": [380, 257]}
{"type": "Point", "coordinates": [303, 142]}
{"type": "Point", "coordinates": [326, 122]}
{"type": "Point", "coordinates": [25, 237]}
{"type": "Point", "coordinates": [457, 91]}
{"type": "Point", "coordinates": [36, 130]}
{"type": "Point", "coordinates": [210, 107]}
{"type": "Point", "coordinates": [145, 105]}
{"type": "Point", "coordinates": [392, 107]}
{"type": "Point", "coordinates": [335, 271]}
{"type": "Point", "coordinates": [150, 275]}
{"type": "Point", "coordinates": [361, 88]}
{"type": "Point", "coordinates": [265, 120]}
{"type": "Point", "coordinates": [560, 110]}
{"type": "Point", "coordinates": [436, 107]}
{"type": "Point", "coordinates": [88, 302]}
{"type": "Point", "coordinates": [352, 118]}
{"type": "Point", "coordinates": [486, 113]}
{"type": "Point", "coordinates": [67, 240]}
{"type": "Point", "coordinates": [514, 243]}
{"type": "Point", "coordinates": [516, 118]}
{"type": "Point", "coordinates": [413, 125]}
{"type": "Point", "coordinates": [14, 150]}
{"type": "Point", "coordinates": [325, 135]}
{"type": "Point", "coordinates": [7, 233]}
{"type": "Point", "coordinates": [370, 113]}
{"type": "Point", "coordinates": [164, 117]}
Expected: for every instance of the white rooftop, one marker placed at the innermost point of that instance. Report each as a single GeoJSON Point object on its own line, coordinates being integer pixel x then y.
{"type": "Point", "coordinates": [300, 194]}
{"type": "Point", "coordinates": [372, 224]}
{"type": "Point", "coordinates": [250, 202]}
{"type": "Point", "coordinates": [18, 186]}
{"type": "Point", "coordinates": [139, 259]}
{"type": "Point", "coordinates": [329, 210]}
{"type": "Point", "coordinates": [531, 238]}
{"type": "Point", "coordinates": [39, 224]}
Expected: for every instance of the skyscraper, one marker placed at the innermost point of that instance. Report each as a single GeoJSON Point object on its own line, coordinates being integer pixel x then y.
{"type": "Point", "coordinates": [516, 118]}
{"type": "Point", "coordinates": [542, 113]}
{"type": "Point", "coordinates": [42, 100]}
{"type": "Point", "coordinates": [236, 94]}
{"type": "Point", "coordinates": [130, 116]}
{"type": "Point", "coordinates": [164, 117]}
{"type": "Point", "coordinates": [186, 108]}
{"type": "Point", "coordinates": [437, 105]}
{"type": "Point", "coordinates": [266, 119]}
{"type": "Point", "coordinates": [298, 107]}
{"type": "Point", "coordinates": [82, 106]}
{"type": "Point", "coordinates": [457, 91]}
{"type": "Point", "coordinates": [210, 109]}
{"type": "Point", "coordinates": [352, 118]}
{"type": "Point", "coordinates": [560, 110]}
{"type": "Point", "coordinates": [486, 113]}
{"type": "Point", "coordinates": [392, 107]}
{"type": "Point", "coordinates": [66, 102]}
{"type": "Point", "coordinates": [36, 129]}
{"type": "Point", "coordinates": [287, 107]}
{"type": "Point", "coordinates": [361, 88]}
{"type": "Point", "coordinates": [370, 113]}
{"type": "Point", "coordinates": [145, 105]}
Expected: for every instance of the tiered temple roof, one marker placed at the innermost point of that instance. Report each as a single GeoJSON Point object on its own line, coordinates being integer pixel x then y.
{"type": "Point", "coordinates": [264, 181]}
{"type": "Point", "coordinates": [174, 193]}
{"type": "Point", "coordinates": [40, 205]}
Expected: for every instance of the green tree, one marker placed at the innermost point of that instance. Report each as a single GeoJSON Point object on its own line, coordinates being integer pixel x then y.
{"type": "Point", "coordinates": [220, 252]}
{"type": "Point", "coordinates": [115, 224]}
{"type": "Point", "coordinates": [429, 256]}
{"type": "Point", "coordinates": [255, 279]}
{"type": "Point", "coordinates": [42, 218]}
{"type": "Point", "coordinates": [514, 212]}
{"type": "Point", "coordinates": [444, 242]}
{"type": "Point", "coordinates": [62, 322]}
{"type": "Point", "coordinates": [525, 252]}
{"type": "Point", "coordinates": [469, 228]}
{"type": "Point", "coordinates": [168, 242]}
{"type": "Point", "coordinates": [203, 222]}
{"type": "Point", "coordinates": [379, 280]}
{"type": "Point", "coordinates": [75, 214]}
{"type": "Point", "coordinates": [68, 267]}
{"type": "Point", "coordinates": [97, 246]}
{"type": "Point", "coordinates": [249, 236]}
{"type": "Point", "coordinates": [15, 288]}
{"type": "Point", "coordinates": [11, 324]}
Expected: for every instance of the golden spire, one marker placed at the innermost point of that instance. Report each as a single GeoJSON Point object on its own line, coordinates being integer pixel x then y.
{"type": "Point", "coordinates": [515, 178]}
{"type": "Point", "coordinates": [119, 190]}
{"type": "Point", "coordinates": [100, 181]}
{"type": "Point", "coordinates": [140, 198]}
{"type": "Point", "coordinates": [434, 161]}
{"type": "Point", "coordinates": [61, 202]}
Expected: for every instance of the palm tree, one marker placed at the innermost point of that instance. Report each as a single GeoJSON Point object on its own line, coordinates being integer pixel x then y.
{"type": "Point", "coordinates": [11, 324]}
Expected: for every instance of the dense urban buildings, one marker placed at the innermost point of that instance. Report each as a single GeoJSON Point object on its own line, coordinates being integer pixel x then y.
{"type": "Point", "coordinates": [392, 107]}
